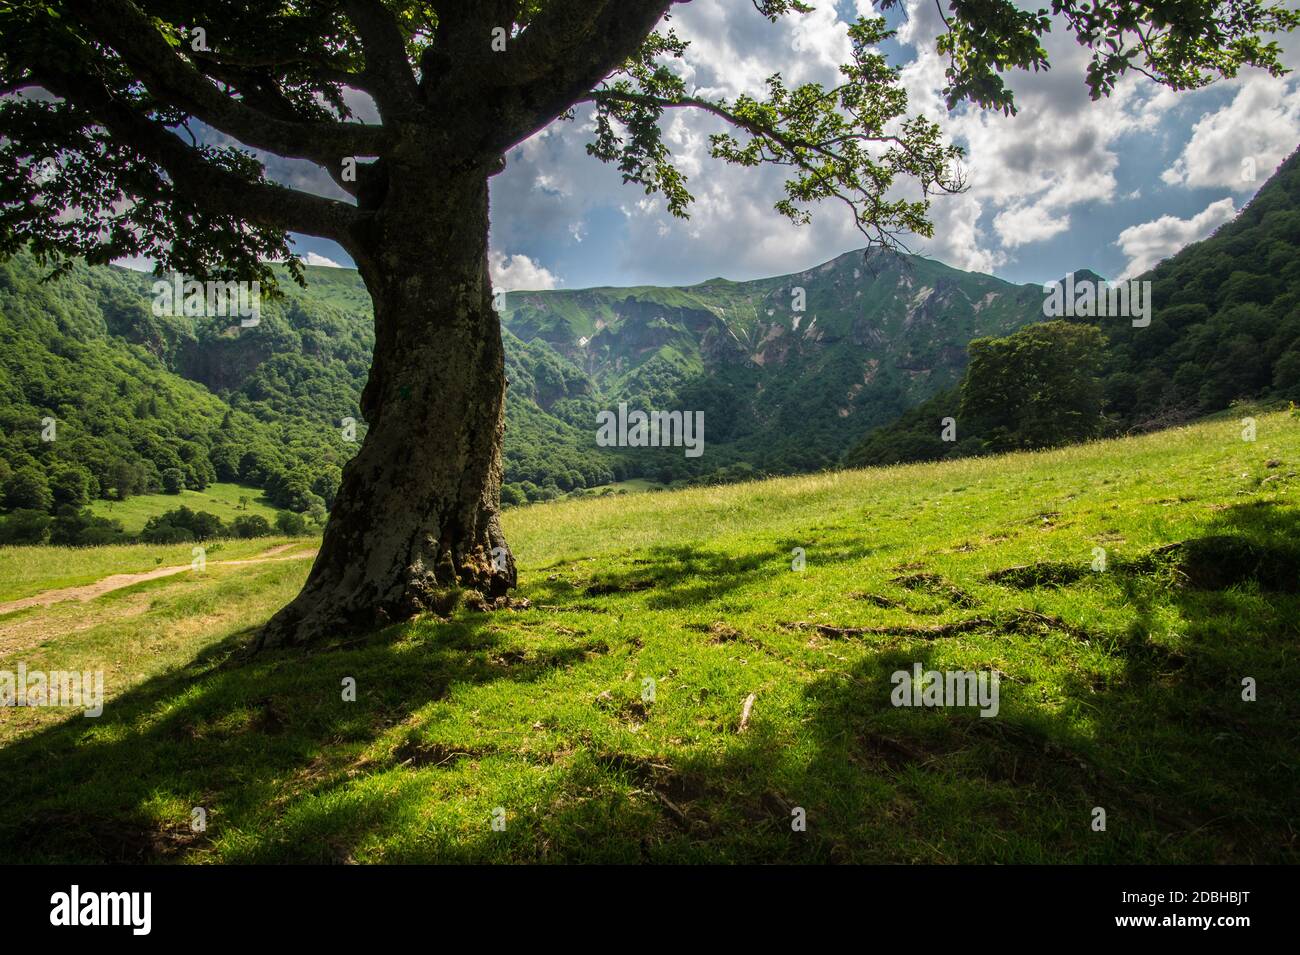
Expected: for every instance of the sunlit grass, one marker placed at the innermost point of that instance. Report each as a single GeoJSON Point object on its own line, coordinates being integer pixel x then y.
{"type": "Point", "coordinates": [1121, 687]}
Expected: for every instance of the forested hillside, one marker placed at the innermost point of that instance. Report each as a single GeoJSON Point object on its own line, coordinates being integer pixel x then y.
{"type": "Point", "coordinates": [1225, 326]}
{"type": "Point", "coordinates": [102, 398]}
{"type": "Point", "coordinates": [95, 402]}
{"type": "Point", "coordinates": [787, 371]}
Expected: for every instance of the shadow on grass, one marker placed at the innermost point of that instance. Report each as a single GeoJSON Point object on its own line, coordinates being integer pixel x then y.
{"type": "Point", "coordinates": [1186, 770]}
{"type": "Point", "coordinates": [687, 575]}
{"type": "Point", "coordinates": [226, 733]}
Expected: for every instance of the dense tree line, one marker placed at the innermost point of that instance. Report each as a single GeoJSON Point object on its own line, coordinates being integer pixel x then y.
{"type": "Point", "coordinates": [86, 413]}
{"type": "Point", "coordinates": [1225, 327]}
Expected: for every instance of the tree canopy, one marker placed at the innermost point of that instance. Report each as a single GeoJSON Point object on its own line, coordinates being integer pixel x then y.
{"type": "Point", "coordinates": [130, 126]}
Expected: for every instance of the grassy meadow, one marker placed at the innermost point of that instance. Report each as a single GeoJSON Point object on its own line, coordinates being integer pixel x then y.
{"type": "Point", "coordinates": [26, 571]}
{"type": "Point", "coordinates": [1122, 591]}
{"type": "Point", "coordinates": [220, 499]}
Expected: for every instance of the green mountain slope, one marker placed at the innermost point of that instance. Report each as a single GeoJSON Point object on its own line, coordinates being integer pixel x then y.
{"type": "Point", "coordinates": [93, 402]}
{"type": "Point", "coordinates": [782, 388]}
{"type": "Point", "coordinates": [1225, 327]}
{"type": "Point", "coordinates": [1119, 688]}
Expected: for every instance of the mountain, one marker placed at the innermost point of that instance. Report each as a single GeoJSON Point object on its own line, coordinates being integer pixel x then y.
{"type": "Point", "coordinates": [100, 398]}
{"type": "Point", "coordinates": [782, 388]}
{"type": "Point", "coordinates": [786, 372]}
{"type": "Point", "coordinates": [1225, 327]}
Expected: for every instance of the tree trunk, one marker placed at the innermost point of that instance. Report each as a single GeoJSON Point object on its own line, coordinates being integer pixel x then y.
{"type": "Point", "coordinates": [416, 519]}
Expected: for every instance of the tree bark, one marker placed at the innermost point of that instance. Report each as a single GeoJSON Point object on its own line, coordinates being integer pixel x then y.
{"type": "Point", "coordinates": [416, 520]}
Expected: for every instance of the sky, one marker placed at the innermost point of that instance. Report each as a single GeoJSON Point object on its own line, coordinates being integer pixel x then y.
{"type": "Point", "coordinates": [1113, 186]}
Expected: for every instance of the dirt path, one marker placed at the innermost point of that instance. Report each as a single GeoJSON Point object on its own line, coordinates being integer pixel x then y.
{"type": "Point", "coordinates": [118, 581]}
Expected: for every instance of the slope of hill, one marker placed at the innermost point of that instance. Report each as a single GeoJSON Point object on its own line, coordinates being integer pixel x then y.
{"type": "Point", "coordinates": [91, 407]}
{"type": "Point", "coordinates": [1225, 326]}
{"type": "Point", "coordinates": [605, 718]}
{"type": "Point", "coordinates": [1226, 323]}
{"type": "Point", "coordinates": [784, 370]}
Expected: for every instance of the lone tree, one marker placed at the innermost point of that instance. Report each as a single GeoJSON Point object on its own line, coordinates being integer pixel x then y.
{"type": "Point", "coordinates": [129, 128]}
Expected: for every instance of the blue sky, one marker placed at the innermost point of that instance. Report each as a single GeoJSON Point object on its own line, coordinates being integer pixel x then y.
{"type": "Point", "coordinates": [1113, 186]}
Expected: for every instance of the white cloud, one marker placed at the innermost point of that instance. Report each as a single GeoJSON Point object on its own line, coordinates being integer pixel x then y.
{"type": "Point", "coordinates": [1148, 243]}
{"type": "Point", "coordinates": [1240, 145]}
{"type": "Point", "coordinates": [315, 258]}
{"type": "Point", "coordinates": [1028, 171]}
{"type": "Point", "coordinates": [1020, 225]}
{"type": "Point", "coordinates": [1032, 176]}
{"type": "Point", "coordinates": [518, 272]}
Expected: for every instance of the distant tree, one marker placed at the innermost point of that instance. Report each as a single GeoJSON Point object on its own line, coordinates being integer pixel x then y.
{"type": "Point", "coordinates": [25, 526]}
{"type": "Point", "coordinates": [317, 514]}
{"type": "Point", "coordinates": [80, 527]}
{"type": "Point", "coordinates": [251, 525]}
{"type": "Point", "coordinates": [70, 486]}
{"type": "Point", "coordinates": [162, 533]}
{"type": "Point", "coordinates": [173, 481]}
{"type": "Point", "coordinates": [28, 489]}
{"type": "Point", "coordinates": [1035, 389]}
{"type": "Point", "coordinates": [126, 479]}
{"type": "Point", "coordinates": [1286, 375]}
{"type": "Point", "coordinates": [195, 525]}
{"type": "Point", "coordinates": [290, 524]}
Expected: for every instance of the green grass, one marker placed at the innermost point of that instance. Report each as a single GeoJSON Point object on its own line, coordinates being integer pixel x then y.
{"type": "Point", "coordinates": [25, 571]}
{"type": "Point", "coordinates": [1120, 688]}
{"type": "Point", "coordinates": [219, 499]}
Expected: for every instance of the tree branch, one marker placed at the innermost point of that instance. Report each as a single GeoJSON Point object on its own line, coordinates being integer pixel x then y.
{"type": "Point", "coordinates": [395, 90]}
{"type": "Point", "coordinates": [172, 79]}
{"type": "Point", "coordinates": [222, 191]}
{"type": "Point", "coordinates": [570, 51]}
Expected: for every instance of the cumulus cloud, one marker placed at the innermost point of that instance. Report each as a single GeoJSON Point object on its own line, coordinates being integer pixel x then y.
{"type": "Point", "coordinates": [1238, 146]}
{"type": "Point", "coordinates": [315, 258]}
{"type": "Point", "coordinates": [1023, 224]}
{"type": "Point", "coordinates": [518, 273]}
{"type": "Point", "coordinates": [1028, 171]}
{"type": "Point", "coordinates": [1148, 243]}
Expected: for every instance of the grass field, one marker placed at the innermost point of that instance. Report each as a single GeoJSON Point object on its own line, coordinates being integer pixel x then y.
{"type": "Point", "coordinates": [219, 499]}
{"type": "Point", "coordinates": [32, 570]}
{"type": "Point", "coordinates": [1120, 688]}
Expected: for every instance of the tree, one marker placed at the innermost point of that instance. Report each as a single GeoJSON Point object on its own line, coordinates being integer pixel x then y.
{"type": "Point", "coordinates": [25, 526]}
{"type": "Point", "coordinates": [1034, 389]}
{"type": "Point", "coordinates": [73, 527]}
{"type": "Point", "coordinates": [173, 481]}
{"type": "Point", "coordinates": [290, 524]}
{"type": "Point", "coordinates": [117, 99]}
{"type": "Point", "coordinates": [71, 486]}
{"type": "Point", "coordinates": [251, 525]}
{"type": "Point", "coordinates": [28, 489]}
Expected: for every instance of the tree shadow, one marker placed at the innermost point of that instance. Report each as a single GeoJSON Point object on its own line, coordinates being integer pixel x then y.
{"type": "Point", "coordinates": [227, 731]}
{"type": "Point", "coordinates": [1186, 770]}
{"type": "Point", "coordinates": [683, 576]}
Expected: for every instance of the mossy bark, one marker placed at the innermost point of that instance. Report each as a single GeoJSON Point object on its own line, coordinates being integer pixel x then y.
{"type": "Point", "coordinates": [416, 519]}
